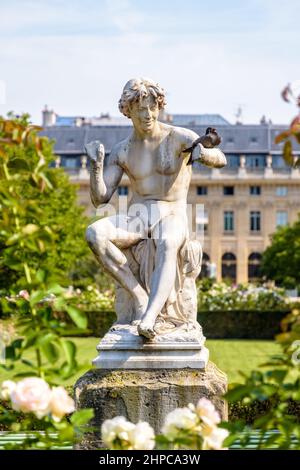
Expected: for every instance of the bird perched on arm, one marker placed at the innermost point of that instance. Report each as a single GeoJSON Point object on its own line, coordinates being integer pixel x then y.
{"type": "Point", "coordinates": [210, 140]}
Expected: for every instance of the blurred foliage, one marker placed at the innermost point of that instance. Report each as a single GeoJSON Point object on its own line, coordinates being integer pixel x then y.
{"type": "Point", "coordinates": [281, 260]}
{"type": "Point", "coordinates": [276, 388]}
{"type": "Point", "coordinates": [222, 297]}
{"type": "Point", "coordinates": [41, 224]}
{"type": "Point", "coordinates": [291, 94]}
{"type": "Point", "coordinates": [41, 236]}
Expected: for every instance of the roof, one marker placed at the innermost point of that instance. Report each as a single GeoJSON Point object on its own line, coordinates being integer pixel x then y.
{"type": "Point", "coordinates": [235, 138]}
{"type": "Point", "coordinates": [198, 120]}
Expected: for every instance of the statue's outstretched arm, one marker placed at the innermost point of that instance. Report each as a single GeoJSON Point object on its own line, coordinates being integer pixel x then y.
{"type": "Point", "coordinates": [205, 149]}
{"type": "Point", "coordinates": [212, 157]}
{"type": "Point", "coordinates": [104, 180]}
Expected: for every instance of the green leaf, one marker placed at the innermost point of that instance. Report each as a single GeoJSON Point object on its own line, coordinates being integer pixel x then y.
{"type": "Point", "coordinates": [70, 351]}
{"type": "Point", "coordinates": [18, 164]}
{"type": "Point", "coordinates": [36, 297]}
{"type": "Point", "coordinates": [50, 351]}
{"type": "Point", "coordinates": [82, 417]}
{"type": "Point", "coordinates": [237, 393]}
{"type": "Point", "coordinates": [55, 289]}
{"type": "Point", "coordinates": [78, 316]}
{"type": "Point", "coordinates": [287, 153]}
{"type": "Point", "coordinates": [30, 340]}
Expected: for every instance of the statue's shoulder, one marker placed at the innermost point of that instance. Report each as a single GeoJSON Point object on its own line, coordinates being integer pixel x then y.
{"type": "Point", "coordinates": [120, 150]}
{"type": "Point", "coordinates": [185, 137]}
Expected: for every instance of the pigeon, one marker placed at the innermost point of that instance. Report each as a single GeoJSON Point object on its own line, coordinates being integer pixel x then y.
{"type": "Point", "coordinates": [210, 140]}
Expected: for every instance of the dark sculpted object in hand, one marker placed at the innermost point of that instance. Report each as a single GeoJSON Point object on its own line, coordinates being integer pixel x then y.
{"type": "Point", "coordinates": [210, 140]}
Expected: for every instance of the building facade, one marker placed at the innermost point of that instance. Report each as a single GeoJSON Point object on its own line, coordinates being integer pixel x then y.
{"type": "Point", "coordinates": [243, 203]}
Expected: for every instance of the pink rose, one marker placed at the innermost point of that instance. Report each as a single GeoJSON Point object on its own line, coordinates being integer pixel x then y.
{"type": "Point", "coordinates": [24, 294]}
{"type": "Point", "coordinates": [32, 395]}
{"type": "Point", "coordinates": [206, 411]}
{"type": "Point", "coordinates": [61, 403]}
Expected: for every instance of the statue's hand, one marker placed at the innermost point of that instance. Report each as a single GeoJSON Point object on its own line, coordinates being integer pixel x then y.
{"type": "Point", "coordinates": [95, 151]}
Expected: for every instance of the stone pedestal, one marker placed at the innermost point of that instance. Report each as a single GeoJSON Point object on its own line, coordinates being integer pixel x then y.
{"type": "Point", "coordinates": [123, 348]}
{"type": "Point", "coordinates": [146, 395]}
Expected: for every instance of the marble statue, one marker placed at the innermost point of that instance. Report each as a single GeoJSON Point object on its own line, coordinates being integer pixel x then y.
{"type": "Point", "coordinates": [148, 250]}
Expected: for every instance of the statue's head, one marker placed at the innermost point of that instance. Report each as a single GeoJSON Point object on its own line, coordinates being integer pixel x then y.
{"type": "Point", "coordinates": [141, 100]}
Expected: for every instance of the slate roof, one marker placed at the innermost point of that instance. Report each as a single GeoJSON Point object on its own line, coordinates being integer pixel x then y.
{"type": "Point", "coordinates": [199, 120]}
{"type": "Point", "coordinates": [248, 139]}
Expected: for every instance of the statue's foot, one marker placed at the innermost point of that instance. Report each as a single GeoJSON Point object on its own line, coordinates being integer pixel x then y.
{"type": "Point", "coordinates": [117, 326]}
{"type": "Point", "coordinates": [135, 322]}
{"type": "Point", "coordinates": [146, 328]}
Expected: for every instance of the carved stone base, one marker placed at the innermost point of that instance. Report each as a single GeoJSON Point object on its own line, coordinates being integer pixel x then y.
{"type": "Point", "coordinates": [145, 395]}
{"type": "Point", "coordinates": [123, 348]}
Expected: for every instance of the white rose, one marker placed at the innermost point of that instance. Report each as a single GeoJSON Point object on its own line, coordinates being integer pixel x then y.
{"type": "Point", "coordinates": [142, 437]}
{"type": "Point", "coordinates": [205, 409]}
{"type": "Point", "coordinates": [32, 395]}
{"type": "Point", "coordinates": [179, 419]}
{"type": "Point", "coordinates": [116, 428]}
{"type": "Point", "coordinates": [7, 388]}
{"type": "Point", "coordinates": [61, 403]}
{"type": "Point", "coordinates": [213, 437]}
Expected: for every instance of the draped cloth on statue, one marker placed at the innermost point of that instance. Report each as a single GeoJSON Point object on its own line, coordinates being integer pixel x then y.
{"type": "Point", "coordinates": [180, 310]}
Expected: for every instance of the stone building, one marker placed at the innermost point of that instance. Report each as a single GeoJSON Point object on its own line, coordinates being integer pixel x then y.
{"type": "Point", "coordinates": [243, 202]}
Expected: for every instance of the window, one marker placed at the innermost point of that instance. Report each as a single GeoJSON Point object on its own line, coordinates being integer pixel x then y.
{"type": "Point", "coordinates": [229, 266]}
{"type": "Point", "coordinates": [278, 162]}
{"type": "Point", "coordinates": [255, 220]}
{"type": "Point", "coordinates": [228, 190]}
{"type": "Point", "coordinates": [202, 221]}
{"type": "Point", "coordinates": [228, 221]}
{"type": "Point", "coordinates": [255, 161]}
{"type": "Point", "coordinates": [233, 160]}
{"type": "Point", "coordinates": [281, 218]}
{"type": "Point", "coordinates": [202, 190]}
{"type": "Point", "coordinates": [281, 191]}
{"type": "Point", "coordinates": [122, 190]}
{"type": "Point", "coordinates": [71, 162]}
{"type": "Point", "coordinates": [255, 190]}
{"type": "Point", "coordinates": [254, 262]}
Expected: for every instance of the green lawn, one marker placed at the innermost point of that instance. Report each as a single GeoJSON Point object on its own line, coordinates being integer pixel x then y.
{"type": "Point", "coordinates": [231, 356]}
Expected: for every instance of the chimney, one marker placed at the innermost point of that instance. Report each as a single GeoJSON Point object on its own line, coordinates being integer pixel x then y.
{"type": "Point", "coordinates": [48, 117]}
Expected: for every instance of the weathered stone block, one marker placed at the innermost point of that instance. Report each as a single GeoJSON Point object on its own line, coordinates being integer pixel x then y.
{"type": "Point", "coordinates": [146, 395]}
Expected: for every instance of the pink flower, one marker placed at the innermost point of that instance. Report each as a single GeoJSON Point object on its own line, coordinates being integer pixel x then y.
{"type": "Point", "coordinates": [214, 438]}
{"type": "Point", "coordinates": [32, 395]}
{"type": "Point", "coordinates": [24, 294]}
{"type": "Point", "coordinates": [61, 403]}
{"type": "Point", "coordinates": [206, 411]}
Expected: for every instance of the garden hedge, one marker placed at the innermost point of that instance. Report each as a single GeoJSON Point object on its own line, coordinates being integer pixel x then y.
{"type": "Point", "coordinates": [215, 324]}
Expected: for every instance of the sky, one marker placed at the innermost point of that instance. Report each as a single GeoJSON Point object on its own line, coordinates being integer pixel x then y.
{"type": "Point", "coordinates": [210, 57]}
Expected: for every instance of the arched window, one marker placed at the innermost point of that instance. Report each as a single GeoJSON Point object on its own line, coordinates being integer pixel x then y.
{"type": "Point", "coordinates": [205, 266]}
{"type": "Point", "coordinates": [254, 262]}
{"type": "Point", "coordinates": [229, 266]}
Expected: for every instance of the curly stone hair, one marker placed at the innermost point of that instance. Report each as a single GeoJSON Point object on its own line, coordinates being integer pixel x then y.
{"type": "Point", "coordinates": [138, 88]}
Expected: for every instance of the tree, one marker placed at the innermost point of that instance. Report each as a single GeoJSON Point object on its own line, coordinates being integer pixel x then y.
{"type": "Point", "coordinates": [281, 260]}
{"type": "Point", "coordinates": [41, 225]}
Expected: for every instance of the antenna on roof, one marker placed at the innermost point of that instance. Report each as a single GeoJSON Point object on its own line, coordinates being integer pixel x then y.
{"type": "Point", "coordinates": [239, 114]}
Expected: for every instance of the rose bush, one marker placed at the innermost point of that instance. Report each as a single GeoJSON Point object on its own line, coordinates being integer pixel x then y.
{"type": "Point", "coordinates": [192, 427]}
{"type": "Point", "coordinates": [32, 398]}
{"type": "Point", "coordinates": [222, 297]}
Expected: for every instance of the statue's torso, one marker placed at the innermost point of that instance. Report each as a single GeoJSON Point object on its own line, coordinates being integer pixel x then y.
{"type": "Point", "coordinates": [157, 170]}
